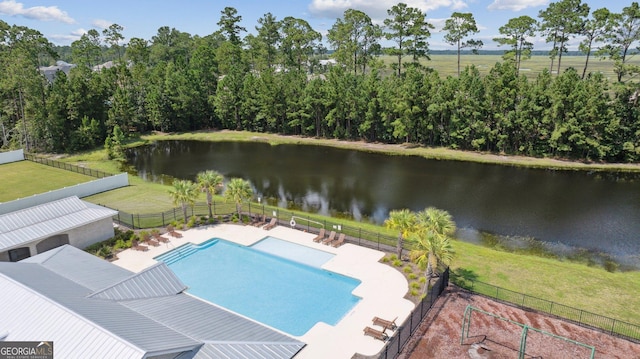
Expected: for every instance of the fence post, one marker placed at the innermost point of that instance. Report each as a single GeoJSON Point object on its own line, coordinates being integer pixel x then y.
{"type": "Point", "coordinates": [164, 225]}
{"type": "Point", "coordinates": [613, 326]}
{"type": "Point", "coordinates": [133, 225]}
{"type": "Point", "coordinates": [580, 320]}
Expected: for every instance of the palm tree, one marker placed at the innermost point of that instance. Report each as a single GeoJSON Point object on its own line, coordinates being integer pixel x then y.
{"type": "Point", "coordinates": [184, 192]}
{"type": "Point", "coordinates": [404, 222]}
{"type": "Point", "coordinates": [432, 240]}
{"type": "Point", "coordinates": [209, 182]}
{"type": "Point", "coordinates": [238, 190]}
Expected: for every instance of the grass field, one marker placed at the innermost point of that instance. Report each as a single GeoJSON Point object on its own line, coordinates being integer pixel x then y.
{"type": "Point", "coordinates": [589, 288]}
{"type": "Point", "coordinates": [26, 178]}
{"type": "Point", "coordinates": [446, 65]}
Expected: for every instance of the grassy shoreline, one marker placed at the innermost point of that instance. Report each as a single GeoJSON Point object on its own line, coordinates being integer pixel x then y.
{"type": "Point", "coordinates": [436, 153]}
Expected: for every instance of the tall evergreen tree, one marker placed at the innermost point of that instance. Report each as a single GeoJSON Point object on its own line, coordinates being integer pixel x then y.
{"type": "Point", "coordinates": [408, 28]}
{"type": "Point", "coordinates": [516, 32]}
{"type": "Point", "coordinates": [458, 27]}
{"type": "Point", "coordinates": [229, 25]}
{"type": "Point", "coordinates": [355, 39]}
{"type": "Point", "coordinates": [625, 32]}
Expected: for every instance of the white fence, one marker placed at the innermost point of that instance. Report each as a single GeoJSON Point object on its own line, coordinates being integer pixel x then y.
{"type": "Point", "coordinates": [80, 190]}
{"type": "Point", "coordinates": [11, 156]}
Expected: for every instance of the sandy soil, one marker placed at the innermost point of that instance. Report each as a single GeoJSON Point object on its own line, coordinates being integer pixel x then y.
{"type": "Point", "coordinates": [439, 334]}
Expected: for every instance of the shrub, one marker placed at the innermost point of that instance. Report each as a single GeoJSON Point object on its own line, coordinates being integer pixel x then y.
{"type": "Point", "coordinates": [412, 276]}
{"type": "Point", "coordinates": [407, 269]}
{"type": "Point", "coordinates": [415, 285]}
{"type": "Point", "coordinates": [105, 251]}
{"type": "Point", "coordinates": [121, 244]}
{"type": "Point", "coordinates": [393, 257]}
{"type": "Point", "coordinates": [192, 222]}
{"type": "Point", "coordinates": [422, 280]}
{"type": "Point", "coordinates": [396, 262]}
{"type": "Point", "coordinates": [415, 292]}
{"type": "Point", "coordinates": [144, 235]}
{"type": "Point", "coordinates": [385, 259]}
{"type": "Point", "coordinates": [611, 266]}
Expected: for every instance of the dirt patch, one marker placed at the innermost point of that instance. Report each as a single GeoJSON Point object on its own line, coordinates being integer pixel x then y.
{"type": "Point", "coordinates": [439, 334]}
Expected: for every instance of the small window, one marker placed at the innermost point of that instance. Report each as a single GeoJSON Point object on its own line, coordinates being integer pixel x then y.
{"type": "Point", "coordinates": [19, 254]}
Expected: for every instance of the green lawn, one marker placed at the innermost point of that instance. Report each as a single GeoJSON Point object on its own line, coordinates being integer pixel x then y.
{"type": "Point", "coordinates": [26, 178]}
{"type": "Point", "coordinates": [589, 288]}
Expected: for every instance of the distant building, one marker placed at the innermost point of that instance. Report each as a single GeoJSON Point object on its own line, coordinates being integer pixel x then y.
{"type": "Point", "coordinates": [50, 71]}
{"type": "Point", "coordinates": [329, 62]}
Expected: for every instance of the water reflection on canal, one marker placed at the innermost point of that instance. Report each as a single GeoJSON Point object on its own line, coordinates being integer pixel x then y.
{"type": "Point", "coordinates": [593, 210]}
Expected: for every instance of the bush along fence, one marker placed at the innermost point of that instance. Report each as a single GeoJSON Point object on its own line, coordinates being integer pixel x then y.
{"type": "Point", "coordinates": [66, 166]}
{"type": "Point", "coordinates": [404, 332]}
{"type": "Point", "coordinates": [580, 317]}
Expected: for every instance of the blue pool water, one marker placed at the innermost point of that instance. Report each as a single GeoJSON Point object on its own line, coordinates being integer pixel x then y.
{"type": "Point", "coordinates": [280, 292]}
{"type": "Point", "coordinates": [293, 251]}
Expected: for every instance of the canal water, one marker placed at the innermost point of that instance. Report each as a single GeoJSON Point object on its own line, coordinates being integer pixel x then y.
{"type": "Point", "coordinates": [596, 211]}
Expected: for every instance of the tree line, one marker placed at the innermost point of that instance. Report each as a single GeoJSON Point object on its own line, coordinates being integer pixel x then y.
{"type": "Point", "coordinates": [274, 81]}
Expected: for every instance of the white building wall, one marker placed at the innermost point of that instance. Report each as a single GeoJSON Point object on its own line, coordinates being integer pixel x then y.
{"type": "Point", "coordinates": [11, 156]}
{"type": "Point", "coordinates": [95, 232]}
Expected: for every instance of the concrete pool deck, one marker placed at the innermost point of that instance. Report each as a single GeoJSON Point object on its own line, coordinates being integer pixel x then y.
{"type": "Point", "coordinates": [382, 289]}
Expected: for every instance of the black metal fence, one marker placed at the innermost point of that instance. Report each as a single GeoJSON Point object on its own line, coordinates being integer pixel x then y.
{"type": "Point", "coordinates": [223, 211]}
{"type": "Point", "coordinates": [404, 332]}
{"type": "Point", "coordinates": [580, 317]}
{"type": "Point", "coordinates": [66, 166]}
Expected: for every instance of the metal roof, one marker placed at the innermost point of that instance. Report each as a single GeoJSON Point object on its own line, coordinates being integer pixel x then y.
{"type": "Point", "coordinates": [246, 351]}
{"type": "Point", "coordinates": [69, 262]}
{"type": "Point", "coordinates": [136, 313]}
{"type": "Point", "coordinates": [186, 316]}
{"type": "Point", "coordinates": [39, 222]}
{"type": "Point", "coordinates": [27, 317]}
{"type": "Point", "coordinates": [139, 330]}
{"type": "Point", "coordinates": [155, 281]}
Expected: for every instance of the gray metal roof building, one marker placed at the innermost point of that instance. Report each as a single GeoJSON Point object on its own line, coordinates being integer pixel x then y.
{"type": "Point", "coordinates": [45, 220]}
{"type": "Point", "coordinates": [66, 221]}
{"type": "Point", "coordinates": [91, 308]}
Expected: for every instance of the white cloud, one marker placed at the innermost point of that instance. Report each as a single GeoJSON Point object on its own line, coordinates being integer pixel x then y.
{"type": "Point", "coordinates": [67, 39]}
{"type": "Point", "coordinates": [377, 10]}
{"type": "Point", "coordinates": [43, 13]}
{"type": "Point", "coordinates": [101, 24]}
{"type": "Point", "coordinates": [516, 5]}
{"type": "Point", "coordinates": [78, 32]}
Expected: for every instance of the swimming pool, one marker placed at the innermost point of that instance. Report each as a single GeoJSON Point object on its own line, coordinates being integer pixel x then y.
{"type": "Point", "coordinates": [288, 295]}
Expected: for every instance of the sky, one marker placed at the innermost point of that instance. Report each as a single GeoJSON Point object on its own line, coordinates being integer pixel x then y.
{"type": "Point", "coordinates": [64, 21]}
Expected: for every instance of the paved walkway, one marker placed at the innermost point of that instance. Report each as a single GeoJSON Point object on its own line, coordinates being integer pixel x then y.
{"type": "Point", "coordinates": [382, 288]}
